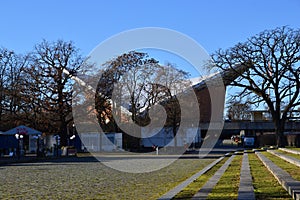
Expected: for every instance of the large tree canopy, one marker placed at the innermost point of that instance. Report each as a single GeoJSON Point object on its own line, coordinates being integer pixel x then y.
{"type": "Point", "coordinates": [131, 84]}
{"type": "Point", "coordinates": [273, 76]}
{"type": "Point", "coordinates": [52, 84]}
{"type": "Point", "coordinates": [12, 78]}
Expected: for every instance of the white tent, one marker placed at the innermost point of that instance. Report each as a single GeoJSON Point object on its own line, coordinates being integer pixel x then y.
{"type": "Point", "coordinates": [24, 130]}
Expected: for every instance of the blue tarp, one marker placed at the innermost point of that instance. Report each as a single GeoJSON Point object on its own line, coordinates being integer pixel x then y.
{"type": "Point", "coordinates": [8, 141]}
{"type": "Point", "coordinates": [8, 138]}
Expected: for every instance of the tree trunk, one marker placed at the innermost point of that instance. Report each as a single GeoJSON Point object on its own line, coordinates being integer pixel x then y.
{"type": "Point", "coordinates": [298, 141]}
{"type": "Point", "coordinates": [279, 131]}
{"type": "Point", "coordinates": [280, 139]}
{"type": "Point", "coordinates": [63, 133]}
{"type": "Point", "coordinates": [174, 135]}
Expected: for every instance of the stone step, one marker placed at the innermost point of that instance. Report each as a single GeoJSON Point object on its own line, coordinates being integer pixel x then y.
{"type": "Point", "coordinates": [211, 183]}
{"type": "Point", "coordinates": [169, 195]}
{"type": "Point", "coordinates": [291, 185]}
{"type": "Point", "coordinates": [287, 158]}
{"type": "Point", "coordinates": [246, 190]}
{"type": "Point", "coordinates": [290, 151]}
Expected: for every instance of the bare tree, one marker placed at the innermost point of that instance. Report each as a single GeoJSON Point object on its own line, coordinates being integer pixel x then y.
{"type": "Point", "coordinates": [137, 83]}
{"type": "Point", "coordinates": [174, 81]}
{"type": "Point", "coordinates": [238, 110]}
{"type": "Point", "coordinates": [50, 60]}
{"type": "Point", "coordinates": [273, 75]}
{"type": "Point", "coordinates": [130, 77]}
{"type": "Point", "coordinates": [6, 58]}
{"type": "Point", "coordinates": [12, 77]}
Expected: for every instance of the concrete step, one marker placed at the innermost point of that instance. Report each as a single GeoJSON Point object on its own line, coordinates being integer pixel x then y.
{"type": "Point", "coordinates": [169, 195]}
{"type": "Point", "coordinates": [246, 190]}
{"type": "Point", "coordinates": [290, 151]}
{"type": "Point", "coordinates": [287, 158]}
{"type": "Point", "coordinates": [291, 185]}
{"type": "Point", "coordinates": [211, 183]}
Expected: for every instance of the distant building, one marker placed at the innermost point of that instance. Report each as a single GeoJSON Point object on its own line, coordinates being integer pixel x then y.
{"type": "Point", "coordinates": [261, 127]}
{"type": "Point", "coordinates": [95, 142]}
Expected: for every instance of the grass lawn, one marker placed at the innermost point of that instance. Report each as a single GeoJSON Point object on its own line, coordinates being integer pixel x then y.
{"type": "Point", "coordinates": [195, 186]}
{"type": "Point", "coordinates": [228, 185]}
{"type": "Point", "coordinates": [264, 183]}
{"type": "Point", "coordinates": [294, 148]}
{"type": "Point", "coordinates": [290, 154]}
{"type": "Point", "coordinates": [91, 180]}
{"type": "Point", "coordinates": [293, 170]}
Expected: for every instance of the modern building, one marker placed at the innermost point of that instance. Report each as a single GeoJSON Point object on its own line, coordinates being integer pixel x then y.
{"type": "Point", "coordinates": [210, 92]}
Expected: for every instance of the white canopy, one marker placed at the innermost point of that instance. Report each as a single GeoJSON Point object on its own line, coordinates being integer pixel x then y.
{"type": "Point", "coordinates": [24, 130]}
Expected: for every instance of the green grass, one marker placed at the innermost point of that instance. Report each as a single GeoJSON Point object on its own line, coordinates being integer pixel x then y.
{"type": "Point", "coordinates": [293, 170]}
{"type": "Point", "coordinates": [84, 180]}
{"type": "Point", "coordinates": [266, 187]}
{"type": "Point", "coordinates": [290, 154]}
{"type": "Point", "coordinates": [91, 180]}
{"type": "Point", "coordinates": [228, 185]}
{"type": "Point", "coordinates": [294, 148]}
{"type": "Point", "coordinates": [195, 186]}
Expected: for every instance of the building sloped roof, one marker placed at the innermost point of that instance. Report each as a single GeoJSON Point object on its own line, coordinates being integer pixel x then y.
{"type": "Point", "coordinates": [22, 130]}
{"type": "Point", "coordinates": [227, 76]}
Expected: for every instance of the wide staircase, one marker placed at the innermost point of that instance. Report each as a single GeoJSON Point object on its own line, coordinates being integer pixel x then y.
{"type": "Point", "coordinates": [245, 175]}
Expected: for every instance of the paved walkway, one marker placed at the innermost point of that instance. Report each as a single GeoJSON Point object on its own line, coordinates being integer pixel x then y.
{"type": "Point", "coordinates": [291, 185]}
{"type": "Point", "coordinates": [210, 184]}
{"type": "Point", "coordinates": [287, 158]}
{"type": "Point", "coordinates": [11, 160]}
{"type": "Point", "coordinates": [246, 190]}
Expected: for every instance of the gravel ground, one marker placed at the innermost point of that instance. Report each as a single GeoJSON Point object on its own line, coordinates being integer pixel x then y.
{"type": "Point", "coordinates": [90, 180]}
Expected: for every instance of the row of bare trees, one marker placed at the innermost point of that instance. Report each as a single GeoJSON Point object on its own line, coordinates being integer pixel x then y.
{"type": "Point", "coordinates": [271, 79]}
{"type": "Point", "coordinates": [34, 90]}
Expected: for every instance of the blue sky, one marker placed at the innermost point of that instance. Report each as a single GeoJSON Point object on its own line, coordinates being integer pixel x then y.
{"type": "Point", "coordinates": [213, 24]}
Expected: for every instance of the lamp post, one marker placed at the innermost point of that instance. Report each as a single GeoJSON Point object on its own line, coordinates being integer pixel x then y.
{"type": "Point", "coordinates": [19, 138]}
{"type": "Point", "coordinates": [38, 149]}
{"type": "Point", "coordinates": [73, 134]}
{"type": "Point", "coordinates": [57, 140]}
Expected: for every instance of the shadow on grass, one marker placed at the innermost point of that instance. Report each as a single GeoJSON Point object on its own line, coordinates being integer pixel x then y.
{"type": "Point", "coordinates": [42, 161]}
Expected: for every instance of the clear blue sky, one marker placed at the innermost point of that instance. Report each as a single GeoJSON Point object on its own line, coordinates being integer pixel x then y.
{"type": "Point", "coordinates": [214, 24]}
